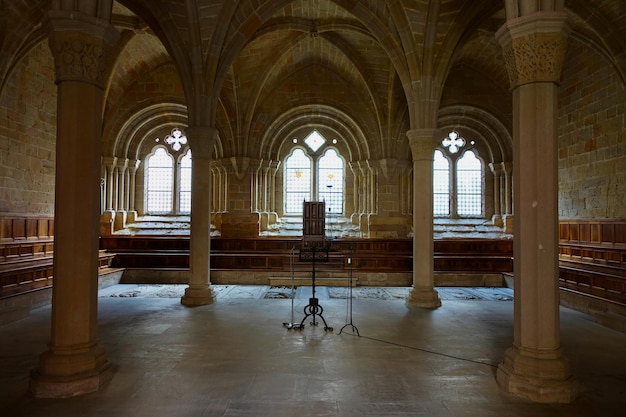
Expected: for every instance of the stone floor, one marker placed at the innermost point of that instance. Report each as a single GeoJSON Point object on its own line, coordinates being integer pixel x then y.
{"type": "Point", "coordinates": [236, 357]}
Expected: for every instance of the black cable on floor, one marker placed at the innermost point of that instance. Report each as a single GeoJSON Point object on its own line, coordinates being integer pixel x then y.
{"type": "Point", "coordinates": [429, 351]}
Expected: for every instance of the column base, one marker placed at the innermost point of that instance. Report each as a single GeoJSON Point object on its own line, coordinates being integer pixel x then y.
{"type": "Point", "coordinates": [63, 375]}
{"type": "Point", "coordinates": [543, 377]}
{"type": "Point", "coordinates": [423, 298]}
{"type": "Point", "coordinates": [197, 297]}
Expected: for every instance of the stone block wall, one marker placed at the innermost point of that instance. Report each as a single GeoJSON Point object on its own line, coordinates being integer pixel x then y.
{"type": "Point", "coordinates": [592, 137]}
{"type": "Point", "coordinates": [28, 135]}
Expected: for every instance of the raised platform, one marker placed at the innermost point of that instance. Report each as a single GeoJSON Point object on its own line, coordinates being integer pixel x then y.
{"type": "Point", "coordinates": [307, 281]}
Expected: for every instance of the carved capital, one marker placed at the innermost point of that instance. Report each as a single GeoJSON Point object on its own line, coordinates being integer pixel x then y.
{"type": "Point", "coordinates": [81, 49]}
{"type": "Point", "coordinates": [422, 143]}
{"type": "Point", "coordinates": [534, 47]}
{"type": "Point", "coordinates": [202, 140]}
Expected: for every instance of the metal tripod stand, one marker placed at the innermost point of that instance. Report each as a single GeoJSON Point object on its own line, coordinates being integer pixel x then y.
{"type": "Point", "coordinates": [291, 324]}
{"type": "Point", "coordinates": [314, 308]}
{"type": "Point", "coordinates": [354, 328]}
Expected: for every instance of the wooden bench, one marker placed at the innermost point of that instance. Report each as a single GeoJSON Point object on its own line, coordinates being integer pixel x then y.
{"type": "Point", "coordinates": [29, 273]}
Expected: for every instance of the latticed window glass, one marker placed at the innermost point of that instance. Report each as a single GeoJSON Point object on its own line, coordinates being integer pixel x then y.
{"type": "Point", "coordinates": [469, 185]}
{"type": "Point", "coordinates": [159, 182]}
{"type": "Point", "coordinates": [297, 181]}
{"type": "Point", "coordinates": [441, 185]}
{"type": "Point", "coordinates": [184, 191]}
{"type": "Point", "coordinates": [330, 181]}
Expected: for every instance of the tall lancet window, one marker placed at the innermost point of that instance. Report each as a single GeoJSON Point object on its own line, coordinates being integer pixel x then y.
{"type": "Point", "coordinates": [457, 179]}
{"type": "Point", "coordinates": [330, 181]}
{"type": "Point", "coordinates": [159, 182]}
{"type": "Point", "coordinates": [167, 185]}
{"type": "Point", "coordinates": [297, 181]}
{"type": "Point", "coordinates": [314, 171]}
{"type": "Point", "coordinates": [469, 185]}
{"type": "Point", "coordinates": [441, 185]}
{"type": "Point", "coordinates": [184, 187]}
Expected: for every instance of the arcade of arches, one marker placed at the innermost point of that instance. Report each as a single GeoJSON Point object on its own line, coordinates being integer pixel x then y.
{"type": "Point", "coordinates": [231, 113]}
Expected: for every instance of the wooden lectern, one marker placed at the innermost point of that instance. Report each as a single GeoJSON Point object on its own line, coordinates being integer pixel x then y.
{"type": "Point", "coordinates": [313, 224]}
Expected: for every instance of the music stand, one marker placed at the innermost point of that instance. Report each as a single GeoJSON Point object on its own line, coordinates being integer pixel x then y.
{"type": "Point", "coordinates": [314, 248]}
{"type": "Point", "coordinates": [314, 308]}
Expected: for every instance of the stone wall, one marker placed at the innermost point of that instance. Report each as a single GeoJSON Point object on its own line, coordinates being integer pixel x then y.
{"type": "Point", "coordinates": [592, 137]}
{"type": "Point", "coordinates": [27, 135]}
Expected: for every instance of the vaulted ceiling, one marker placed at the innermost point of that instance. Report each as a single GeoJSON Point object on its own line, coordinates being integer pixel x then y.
{"type": "Point", "coordinates": [263, 72]}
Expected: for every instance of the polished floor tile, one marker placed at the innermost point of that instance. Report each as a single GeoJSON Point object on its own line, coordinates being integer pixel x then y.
{"type": "Point", "coordinates": [236, 357]}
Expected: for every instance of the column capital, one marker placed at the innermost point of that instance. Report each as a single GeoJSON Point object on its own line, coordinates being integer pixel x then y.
{"type": "Point", "coordinates": [202, 140]}
{"type": "Point", "coordinates": [422, 143]}
{"type": "Point", "coordinates": [109, 161]}
{"type": "Point", "coordinates": [496, 168]}
{"type": "Point", "coordinates": [534, 47]}
{"type": "Point", "coordinates": [134, 164]}
{"type": "Point", "coordinates": [81, 46]}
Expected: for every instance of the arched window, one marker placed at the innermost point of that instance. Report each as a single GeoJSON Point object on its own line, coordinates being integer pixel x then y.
{"type": "Point", "coordinates": [184, 188]}
{"type": "Point", "coordinates": [297, 181]}
{"type": "Point", "coordinates": [309, 176]}
{"type": "Point", "coordinates": [159, 182]}
{"type": "Point", "coordinates": [330, 180]}
{"type": "Point", "coordinates": [441, 185]}
{"type": "Point", "coordinates": [168, 185]}
{"type": "Point", "coordinates": [469, 185]}
{"type": "Point", "coordinates": [457, 179]}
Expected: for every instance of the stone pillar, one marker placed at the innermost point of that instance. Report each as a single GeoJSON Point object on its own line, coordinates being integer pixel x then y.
{"type": "Point", "coordinates": [423, 293]}
{"type": "Point", "coordinates": [507, 200]}
{"type": "Point", "coordinates": [199, 292]}
{"type": "Point", "coordinates": [122, 189]}
{"type": "Point", "coordinates": [273, 171]}
{"type": "Point", "coordinates": [535, 367]}
{"type": "Point", "coordinates": [75, 363]}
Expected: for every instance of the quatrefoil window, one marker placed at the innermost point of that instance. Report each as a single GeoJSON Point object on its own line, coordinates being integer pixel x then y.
{"type": "Point", "coordinates": [176, 139]}
{"type": "Point", "coordinates": [453, 142]}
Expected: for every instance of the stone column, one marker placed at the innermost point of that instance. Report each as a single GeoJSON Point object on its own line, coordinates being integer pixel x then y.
{"type": "Point", "coordinates": [75, 363]}
{"type": "Point", "coordinates": [423, 293]}
{"type": "Point", "coordinates": [201, 140]}
{"type": "Point", "coordinates": [535, 367]}
{"type": "Point", "coordinates": [273, 171]}
{"type": "Point", "coordinates": [122, 189]}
